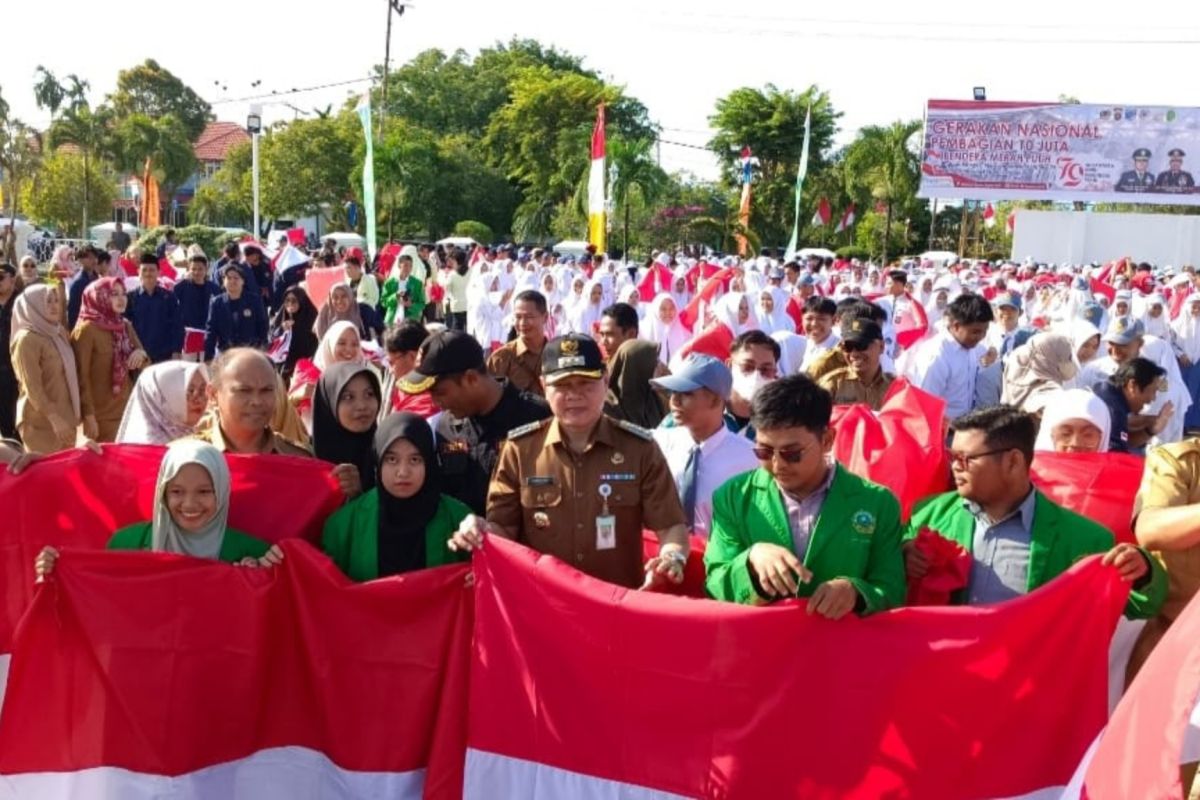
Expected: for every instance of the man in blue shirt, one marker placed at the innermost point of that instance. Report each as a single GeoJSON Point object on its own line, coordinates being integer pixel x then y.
{"type": "Point", "coordinates": [236, 318]}
{"type": "Point", "coordinates": [86, 256]}
{"type": "Point", "coordinates": [194, 294]}
{"type": "Point", "coordinates": [154, 313]}
{"type": "Point", "coordinates": [1130, 389]}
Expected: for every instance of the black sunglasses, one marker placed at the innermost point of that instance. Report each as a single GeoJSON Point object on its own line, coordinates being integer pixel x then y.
{"type": "Point", "coordinates": [764, 453]}
{"type": "Point", "coordinates": [854, 347]}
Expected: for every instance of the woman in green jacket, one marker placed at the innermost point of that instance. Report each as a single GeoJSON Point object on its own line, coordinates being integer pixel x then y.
{"type": "Point", "coordinates": [404, 523]}
{"type": "Point", "coordinates": [191, 508]}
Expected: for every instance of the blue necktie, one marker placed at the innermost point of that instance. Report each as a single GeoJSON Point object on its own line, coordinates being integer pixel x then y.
{"type": "Point", "coordinates": [691, 472]}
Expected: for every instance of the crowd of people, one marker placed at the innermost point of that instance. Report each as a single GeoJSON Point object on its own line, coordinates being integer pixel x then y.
{"type": "Point", "coordinates": [571, 403]}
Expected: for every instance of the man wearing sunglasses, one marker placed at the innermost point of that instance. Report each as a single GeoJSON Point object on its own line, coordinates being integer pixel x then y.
{"type": "Point", "coordinates": [800, 525]}
{"type": "Point", "coordinates": [863, 380]}
{"type": "Point", "coordinates": [1018, 539]}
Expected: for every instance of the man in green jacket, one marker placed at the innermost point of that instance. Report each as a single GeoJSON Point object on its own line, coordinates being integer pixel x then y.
{"type": "Point", "coordinates": [800, 525]}
{"type": "Point", "coordinates": [1017, 538]}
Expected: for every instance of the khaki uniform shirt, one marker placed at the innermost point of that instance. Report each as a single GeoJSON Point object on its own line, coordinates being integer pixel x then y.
{"type": "Point", "coordinates": [847, 388]}
{"type": "Point", "coordinates": [1172, 478]}
{"type": "Point", "coordinates": [548, 497]}
{"type": "Point", "coordinates": [209, 431]}
{"type": "Point", "coordinates": [520, 365]}
{"type": "Point", "coordinates": [826, 363]}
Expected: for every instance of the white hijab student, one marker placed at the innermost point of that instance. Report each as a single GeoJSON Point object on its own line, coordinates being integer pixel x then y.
{"type": "Point", "coordinates": [585, 316]}
{"type": "Point", "coordinates": [1187, 329]}
{"type": "Point", "coordinates": [1074, 421]}
{"type": "Point", "coordinates": [736, 312]}
{"type": "Point", "coordinates": [772, 310]}
{"type": "Point", "coordinates": [662, 325]}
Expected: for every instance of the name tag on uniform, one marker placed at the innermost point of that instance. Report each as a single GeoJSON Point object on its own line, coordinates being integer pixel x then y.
{"type": "Point", "coordinates": [606, 532]}
{"type": "Point", "coordinates": [539, 480]}
{"type": "Point", "coordinates": [619, 476]}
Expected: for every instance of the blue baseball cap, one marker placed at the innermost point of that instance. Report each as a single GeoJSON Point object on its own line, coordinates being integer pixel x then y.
{"type": "Point", "coordinates": [1011, 299]}
{"type": "Point", "coordinates": [698, 372]}
{"type": "Point", "coordinates": [807, 280]}
{"type": "Point", "coordinates": [1124, 330]}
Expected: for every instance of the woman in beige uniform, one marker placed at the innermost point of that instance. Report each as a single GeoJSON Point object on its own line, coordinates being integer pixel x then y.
{"type": "Point", "coordinates": [48, 407]}
{"type": "Point", "coordinates": [106, 350]}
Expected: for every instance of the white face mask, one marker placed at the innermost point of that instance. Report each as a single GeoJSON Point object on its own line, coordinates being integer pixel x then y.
{"type": "Point", "coordinates": [746, 386]}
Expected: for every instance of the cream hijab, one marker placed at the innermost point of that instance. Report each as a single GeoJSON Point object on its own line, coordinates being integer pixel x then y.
{"type": "Point", "coordinates": [157, 409]}
{"type": "Point", "coordinates": [29, 314]}
{"type": "Point", "coordinates": [326, 354]}
{"type": "Point", "coordinates": [167, 536]}
{"type": "Point", "coordinates": [1036, 369]}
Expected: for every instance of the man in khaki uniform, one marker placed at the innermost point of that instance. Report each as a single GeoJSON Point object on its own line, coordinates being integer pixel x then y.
{"type": "Point", "coordinates": [1167, 522]}
{"type": "Point", "coordinates": [520, 361]}
{"type": "Point", "coordinates": [242, 397]}
{"type": "Point", "coordinates": [863, 380]}
{"type": "Point", "coordinates": [581, 486]}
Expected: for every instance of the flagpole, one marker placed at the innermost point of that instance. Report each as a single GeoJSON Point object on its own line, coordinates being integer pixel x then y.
{"type": "Point", "coordinates": [801, 171]}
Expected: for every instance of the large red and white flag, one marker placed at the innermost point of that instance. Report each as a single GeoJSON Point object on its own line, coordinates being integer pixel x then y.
{"type": "Point", "coordinates": [989, 215]}
{"type": "Point", "coordinates": [148, 675]}
{"type": "Point", "coordinates": [582, 689]}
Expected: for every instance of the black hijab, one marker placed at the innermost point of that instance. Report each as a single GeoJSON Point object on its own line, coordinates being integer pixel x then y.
{"type": "Point", "coordinates": [304, 340]}
{"type": "Point", "coordinates": [331, 441]}
{"type": "Point", "coordinates": [402, 523]}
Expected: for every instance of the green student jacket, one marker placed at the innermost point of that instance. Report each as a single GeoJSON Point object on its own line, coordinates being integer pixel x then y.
{"type": "Point", "coordinates": [351, 536]}
{"type": "Point", "coordinates": [856, 537]}
{"type": "Point", "coordinates": [1059, 538]}
{"type": "Point", "coordinates": [234, 547]}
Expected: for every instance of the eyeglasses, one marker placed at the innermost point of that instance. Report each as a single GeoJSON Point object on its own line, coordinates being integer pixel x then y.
{"type": "Point", "coordinates": [854, 347]}
{"type": "Point", "coordinates": [962, 461]}
{"type": "Point", "coordinates": [789, 456]}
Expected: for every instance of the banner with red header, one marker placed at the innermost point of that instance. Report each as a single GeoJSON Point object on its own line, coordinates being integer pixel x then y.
{"type": "Point", "coordinates": [1060, 151]}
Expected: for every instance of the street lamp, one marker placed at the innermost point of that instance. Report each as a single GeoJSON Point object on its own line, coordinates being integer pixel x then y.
{"type": "Point", "coordinates": [254, 128]}
{"type": "Point", "coordinates": [980, 93]}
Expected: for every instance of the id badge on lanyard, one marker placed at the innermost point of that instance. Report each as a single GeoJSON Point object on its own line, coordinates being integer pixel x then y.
{"type": "Point", "coordinates": [606, 523]}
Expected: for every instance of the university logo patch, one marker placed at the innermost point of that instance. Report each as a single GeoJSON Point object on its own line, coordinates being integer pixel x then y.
{"type": "Point", "coordinates": [863, 522]}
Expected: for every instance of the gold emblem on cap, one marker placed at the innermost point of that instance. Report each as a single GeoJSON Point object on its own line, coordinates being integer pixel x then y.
{"type": "Point", "coordinates": [570, 347]}
{"type": "Point", "coordinates": [618, 458]}
{"type": "Point", "coordinates": [1121, 324]}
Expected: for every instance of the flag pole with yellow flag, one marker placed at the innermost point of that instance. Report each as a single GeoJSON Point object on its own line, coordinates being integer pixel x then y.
{"type": "Point", "coordinates": [597, 226]}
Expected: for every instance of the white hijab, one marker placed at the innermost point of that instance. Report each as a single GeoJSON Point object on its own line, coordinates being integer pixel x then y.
{"type": "Point", "coordinates": [157, 410]}
{"type": "Point", "coordinates": [670, 338]}
{"type": "Point", "coordinates": [726, 312]}
{"type": "Point", "coordinates": [326, 354]}
{"type": "Point", "coordinates": [167, 536]}
{"type": "Point", "coordinates": [585, 313]}
{"type": "Point", "coordinates": [1073, 404]}
{"type": "Point", "coordinates": [1187, 330]}
{"type": "Point", "coordinates": [777, 319]}
{"type": "Point", "coordinates": [1157, 326]}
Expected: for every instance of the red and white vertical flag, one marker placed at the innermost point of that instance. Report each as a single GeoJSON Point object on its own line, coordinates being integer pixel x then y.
{"type": "Point", "coordinates": [1010, 221]}
{"type": "Point", "coordinates": [989, 215]}
{"type": "Point", "coordinates": [847, 219]}
{"type": "Point", "coordinates": [596, 195]}
{"type": "Point", "coordinates": [744, 207]}
{"type": "Point", "coordinates": [823, 215]}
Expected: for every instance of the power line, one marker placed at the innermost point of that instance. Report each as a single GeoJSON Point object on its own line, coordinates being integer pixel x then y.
{"type": "Point", "coordinates": [289, 92]}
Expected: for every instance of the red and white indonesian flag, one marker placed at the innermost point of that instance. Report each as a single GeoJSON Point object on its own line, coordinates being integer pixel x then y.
{"type": "Point", "coordinates": [580, 689]}
{"type": "Point", "coordinates": [989, 215]}
{"type": "Point", "coordinates": [823, 214]}
{"type": "Point", "coordinates": [847, 219]}
{"type": "Point", "coordinates": [596, 197]}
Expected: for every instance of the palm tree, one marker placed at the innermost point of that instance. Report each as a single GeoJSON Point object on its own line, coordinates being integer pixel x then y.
{"type": "Point", "coordinates": [77, 92]}
{"type": "Point", "coordinates": [162, 143]}
{"type": "Point", "coordinates": [882, 161]}
{"type": "Point", "coordinates": [48, 92]}
{"type": "Point", "coordinates": [637, 170]}
{"type": "Point", "coordinates": [88, 130]}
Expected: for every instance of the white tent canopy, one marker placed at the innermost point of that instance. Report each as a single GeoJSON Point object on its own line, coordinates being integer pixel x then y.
{"type": "Point", "coordinates": [22, 229]}
{"type": "Point", "coordinates": [461, 242]}
{"type": "Point", "coordinates": [938, 256]}
{"type": "Point", "coordinates": [820, 252]}
{"type": "Point", "coordinates": [102, 232]}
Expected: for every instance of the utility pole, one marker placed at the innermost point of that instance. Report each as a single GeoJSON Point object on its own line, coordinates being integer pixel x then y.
{"type": "Point", "coordinates": [399, 7]}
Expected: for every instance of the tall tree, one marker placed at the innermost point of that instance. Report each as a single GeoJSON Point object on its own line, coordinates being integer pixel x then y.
{"type": "Point", "coordinates": [48, 92]}
{"type": "Point", "coordinates": [540, 137]}
{"type": "Point", "coordinates": [20, 153]}
{"type": "Point", "coordinates": [884, 161]}
{"type": "Point", "coordinates": [163, 142]}
{"type": "Point", "coordinates": [770, 122]}
{"type": "Point", "coordinates": [306, 166]}
{"type": "Point", "coordinates": [152, 90]}
{"type": "Point", "coordinates": [88, 130]}
{"type": "Point", "coordinates": [227, 197]}
{"type": "Point", "coordinates": [637, 173]}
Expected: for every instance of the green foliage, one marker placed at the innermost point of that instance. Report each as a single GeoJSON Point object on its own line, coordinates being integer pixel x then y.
{"type": "Point", "coordinates": [56, 197]}
{"type": "Point", "coordinates": [48, 92]}
{"type": "Point", "coordinates": [853, 251]}
{"type": "Point", "coordinates": [868, 235]}
{"type": "Point", "coordinates": [882, 164]}
{"type": "Point", "coordinates": [770, 122]}
{"type": "Point", "coordinates": [227, 197]}
{"type": "Point", "coordinates": [211, 240]}
{"type": "Point", "coordinates": [475, 230]}
{"type": "Point", "coordinates": [152, 90]}
{"type": "Point", "coordinates": [20, 155]}
{"type": "Point", "coordinates": [306, 165]}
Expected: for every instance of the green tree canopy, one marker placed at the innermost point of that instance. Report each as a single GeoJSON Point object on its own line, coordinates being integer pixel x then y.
{"type": "Point", "coordinates": [58, 194]}
{"type": "Point", "coordinates": [883, 162]}
{"type": "Point", "coordinates": [306, 166]}
{"type": "Point", "coordinates": [770, 121]}
{"type": "Point", "coordinates": [154, 91]}
{"type": "Point", "coordinates": [164, 141]}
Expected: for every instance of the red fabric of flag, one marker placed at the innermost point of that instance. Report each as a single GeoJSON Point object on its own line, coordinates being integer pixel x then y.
{"type": "Point", "coordinates": [1100, 486]}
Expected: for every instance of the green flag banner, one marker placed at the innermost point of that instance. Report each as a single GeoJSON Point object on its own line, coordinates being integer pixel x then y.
{"type": "Point", "coordinates": [800, 173]}
{"type": "Point", "coordinates": [364, 114]}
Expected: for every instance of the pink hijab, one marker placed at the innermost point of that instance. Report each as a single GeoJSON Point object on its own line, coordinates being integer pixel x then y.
{"type": "Point", "coordinates": [97, 309]}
